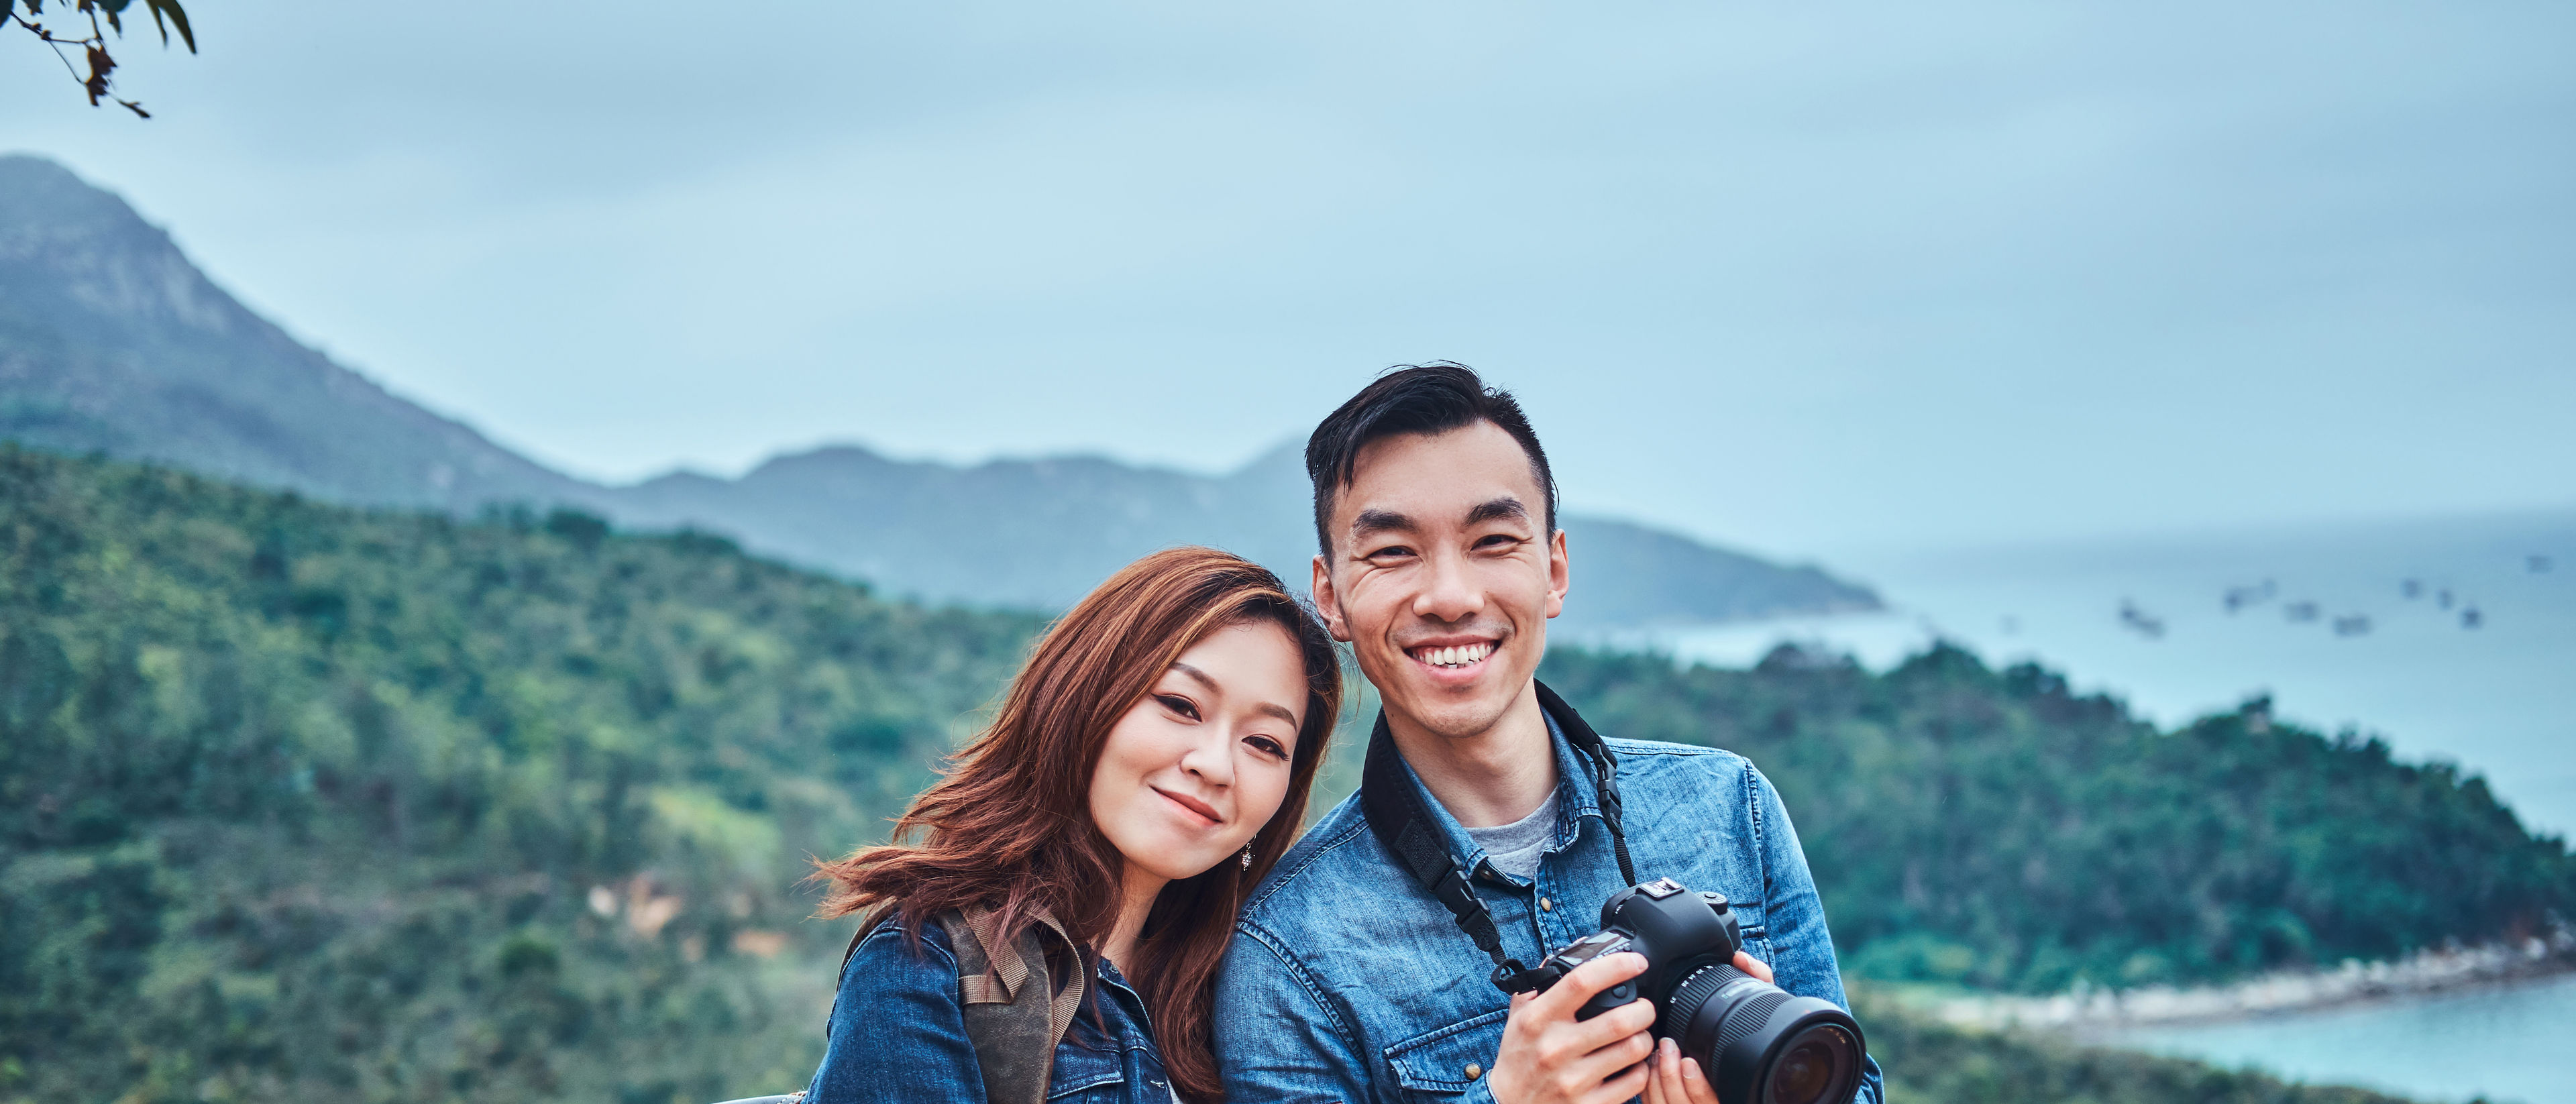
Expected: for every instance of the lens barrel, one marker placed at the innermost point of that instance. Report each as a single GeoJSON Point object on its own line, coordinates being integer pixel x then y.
{"type": "Point", "coordinates": [1760, 1045]}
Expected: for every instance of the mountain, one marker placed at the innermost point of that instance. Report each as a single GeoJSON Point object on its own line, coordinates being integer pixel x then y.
{"type": "Point", "coordinates": [1007, 532]}
{"type": "Point", "coordinates": [1040, 532]}
{"type": "Point", "coordinates": [112, 342]}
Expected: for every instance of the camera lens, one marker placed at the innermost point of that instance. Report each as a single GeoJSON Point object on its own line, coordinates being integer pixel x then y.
{"type": "Point", "coordinates": [1761, 1045]}
{"type": "Point", "coordinates": [1803, 1074]}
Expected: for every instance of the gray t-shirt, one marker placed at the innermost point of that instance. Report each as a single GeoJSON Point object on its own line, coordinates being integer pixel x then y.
{"type": "Point", "coordinates": [1514, 848]}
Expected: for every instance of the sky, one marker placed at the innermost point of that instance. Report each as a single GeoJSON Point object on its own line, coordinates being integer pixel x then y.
{"type": "Point", "coordinates": [1811, 279]}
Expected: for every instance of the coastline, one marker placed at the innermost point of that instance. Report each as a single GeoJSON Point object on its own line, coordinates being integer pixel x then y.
{"type": "Point", "coordinates": [2096, 1014]}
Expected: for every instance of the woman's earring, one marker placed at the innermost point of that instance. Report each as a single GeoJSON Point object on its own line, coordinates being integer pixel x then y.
{"type": "Point", "coordinates": [1247, 856]}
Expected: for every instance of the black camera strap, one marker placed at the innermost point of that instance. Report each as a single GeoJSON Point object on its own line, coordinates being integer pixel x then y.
{"type": "Point", "coordinates": [1397, 815]}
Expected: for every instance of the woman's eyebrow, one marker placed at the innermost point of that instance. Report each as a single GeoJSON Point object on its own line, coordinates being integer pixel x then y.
{"type": "Point", "coordinates": [1273, 708]}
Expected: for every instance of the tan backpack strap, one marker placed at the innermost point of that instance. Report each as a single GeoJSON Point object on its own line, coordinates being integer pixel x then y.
{"type": "Point", "coordinates": [1005, 970]}
{"type": "Point", "coordinates": [1014, 1013]}
{"type": "Point", "coordinates": [1067, 1002]}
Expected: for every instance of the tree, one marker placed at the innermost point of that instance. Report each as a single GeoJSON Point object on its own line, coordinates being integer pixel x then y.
{"type": "Point", "coordinates": [166, 14]}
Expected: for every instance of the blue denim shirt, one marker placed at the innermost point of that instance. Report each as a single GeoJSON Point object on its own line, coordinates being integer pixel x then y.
{"type": "Point", "coordinates": [898, 1035]}
{"type": "Point", "coordinates": [1346, 980]}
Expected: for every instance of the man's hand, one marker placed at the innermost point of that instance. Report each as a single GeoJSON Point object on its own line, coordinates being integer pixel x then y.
{"type": "Point", "coordinates": [1679, 1080]}
{"type": "Point", "coordinates": [1549, 1057]}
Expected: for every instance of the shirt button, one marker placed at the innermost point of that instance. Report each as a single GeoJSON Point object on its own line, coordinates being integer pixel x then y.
{"type": "Point", "coordinates": [1474, 1071]}
{"type": "Point", "coordinates": [1545, 905]}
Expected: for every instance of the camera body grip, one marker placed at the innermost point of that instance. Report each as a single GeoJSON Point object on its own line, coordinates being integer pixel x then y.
{"type": "Point", "coordinates": [1757, 1042]}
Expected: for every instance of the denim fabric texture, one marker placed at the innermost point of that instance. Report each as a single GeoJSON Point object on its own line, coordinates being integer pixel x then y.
{"type": "Point", "coordinates": [898, 1034]}
{"type": "Point", "coordinates": [1346, 980]}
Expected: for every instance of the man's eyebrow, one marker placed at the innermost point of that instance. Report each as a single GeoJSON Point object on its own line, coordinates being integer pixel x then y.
{"type": "Point", "coordinates": [1373, 522]}
{"type": "Point", "coordinates": [1504, 507]}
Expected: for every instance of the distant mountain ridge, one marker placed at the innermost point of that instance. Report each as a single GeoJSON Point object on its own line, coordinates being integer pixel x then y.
{"type": "Point", "coordinates": [112, 341]}
{"type": "Point", "coordinates": [1042, 532]}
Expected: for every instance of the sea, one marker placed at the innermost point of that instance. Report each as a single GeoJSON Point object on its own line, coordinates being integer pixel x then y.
{"type": "Point", "coordinates": [2453, 639]}
{"type": "Point", "coordinates": [2511, 1044]}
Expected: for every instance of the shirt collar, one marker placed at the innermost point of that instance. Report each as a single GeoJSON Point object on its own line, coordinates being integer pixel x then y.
{"type": "Point", "coordinates": [1577, 796]}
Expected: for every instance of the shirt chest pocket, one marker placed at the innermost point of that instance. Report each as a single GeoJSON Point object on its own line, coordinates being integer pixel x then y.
{"type": "Point", "coordinates": [1086, 1076]}
{"type": "Point", "coordinates": [1757, 942]}
{"type": "Point", "coordinates": [1442, 1064]}
{"type": "Point", "coordinates": [1133, 1074]}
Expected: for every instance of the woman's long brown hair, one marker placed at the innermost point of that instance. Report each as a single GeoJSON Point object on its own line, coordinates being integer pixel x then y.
{"type": "Point", "coordinates": [1009, 825]}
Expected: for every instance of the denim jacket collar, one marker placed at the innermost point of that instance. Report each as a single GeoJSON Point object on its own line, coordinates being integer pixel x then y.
{"type": "Point", "coordinates": [1576, 797]}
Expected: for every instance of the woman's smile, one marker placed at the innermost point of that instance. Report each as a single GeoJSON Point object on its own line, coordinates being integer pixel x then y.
{"type": "Point", "coordinates": [1199, 812]}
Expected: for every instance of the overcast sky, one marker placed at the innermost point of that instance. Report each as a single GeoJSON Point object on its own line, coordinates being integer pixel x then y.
{"type": "Point", "coordinates": [1809, 278]}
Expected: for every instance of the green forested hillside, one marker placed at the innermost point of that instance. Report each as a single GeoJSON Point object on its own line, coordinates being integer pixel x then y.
{"type": "Point", "coordinates": [298, 802]}
{"type": "Point", "coordinates": [1993, 828]}
{"type": "Point", "coordinates": [303, 802]}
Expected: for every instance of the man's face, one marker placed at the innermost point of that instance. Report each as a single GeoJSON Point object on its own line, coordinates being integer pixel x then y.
{"type": "Point", "coordinates": [1441, 575]}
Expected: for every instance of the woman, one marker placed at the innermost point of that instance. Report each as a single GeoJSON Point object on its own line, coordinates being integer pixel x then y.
{"type": "Point", "coordinates": [1147, 767]}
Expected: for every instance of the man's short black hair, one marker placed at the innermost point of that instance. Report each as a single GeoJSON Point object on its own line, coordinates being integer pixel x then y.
{"type": "Point", "coordinates": [1414, 398]}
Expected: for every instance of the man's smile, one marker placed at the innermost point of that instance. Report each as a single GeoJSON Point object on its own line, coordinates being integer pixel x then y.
{"type": "Point", "coordinates": [1453, 656]}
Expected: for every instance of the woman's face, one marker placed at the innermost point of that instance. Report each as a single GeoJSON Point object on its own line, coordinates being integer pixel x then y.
{"type": "Point", "coordinates": [1197, 766]}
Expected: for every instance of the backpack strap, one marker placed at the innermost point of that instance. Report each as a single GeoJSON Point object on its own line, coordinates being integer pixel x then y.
{"type": "Point", "coordinates": [1015, 1010]}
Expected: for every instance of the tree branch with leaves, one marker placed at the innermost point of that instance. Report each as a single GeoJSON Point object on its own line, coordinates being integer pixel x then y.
{"type": "Point", "coordinates": [102, 16]}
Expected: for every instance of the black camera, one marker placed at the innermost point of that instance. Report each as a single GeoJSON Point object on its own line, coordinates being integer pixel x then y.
{"type": "Point", "coordinates": [1756, 1043]}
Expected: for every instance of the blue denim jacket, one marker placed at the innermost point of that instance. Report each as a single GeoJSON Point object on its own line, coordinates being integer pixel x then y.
{"type": "Point", "coordinates": [898, 1034]}
{"type": "Point", "coordinates": [1346, 980]}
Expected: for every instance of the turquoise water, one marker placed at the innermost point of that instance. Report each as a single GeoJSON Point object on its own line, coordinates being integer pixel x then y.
{"type": "Point", "coordinates": [2499, 699]}
{"type": "Point", "coordinates": [2508, 1045]}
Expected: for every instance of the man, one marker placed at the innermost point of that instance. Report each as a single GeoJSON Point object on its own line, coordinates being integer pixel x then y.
{"type": "Point", "coordinates": [1349, 977]}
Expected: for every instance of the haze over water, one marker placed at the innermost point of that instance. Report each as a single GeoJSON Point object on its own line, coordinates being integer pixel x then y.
{"type": "Point", "coordinates": [2498, 699]}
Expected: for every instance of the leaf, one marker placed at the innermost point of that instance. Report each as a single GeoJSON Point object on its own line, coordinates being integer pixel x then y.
{"type": "Point", "coordinates": [178, 16]}
{"type": "Point", "coordinates": [99, 66]}
{"type": "Point", "coordinates": [135, 108]}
